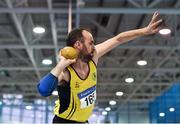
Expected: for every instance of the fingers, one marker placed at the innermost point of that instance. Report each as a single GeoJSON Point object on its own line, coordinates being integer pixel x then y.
{"type": "Point", "coordinates": [155, 25]}
{"type": "Point", "coordinates": [73, 60]}
{"type": "Point", "coordinates": [60, 52]}
{"type": "Point", "coordinates": [155, 17]}
{"type": "Point", "coordinates": [156, 30]}
{"type": "Point", "coordinates": [61, 58]}
{"type": "Point", "coordinates": [156, 14]}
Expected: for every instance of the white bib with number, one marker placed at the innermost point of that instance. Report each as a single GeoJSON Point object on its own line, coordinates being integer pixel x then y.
{"type": "Point", "coordinates": [87, 97]}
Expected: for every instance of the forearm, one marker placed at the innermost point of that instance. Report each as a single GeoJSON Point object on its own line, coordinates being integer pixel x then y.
{"type": "Point", "coordinates": [56, 71]}
{"type": "Point", "coordinates": [130, 35]}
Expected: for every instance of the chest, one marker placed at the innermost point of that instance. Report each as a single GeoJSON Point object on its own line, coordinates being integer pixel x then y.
{"type": "Point", "coordinates": [83, 73]}
{"type": "Point", "coordinates": [82, 79]}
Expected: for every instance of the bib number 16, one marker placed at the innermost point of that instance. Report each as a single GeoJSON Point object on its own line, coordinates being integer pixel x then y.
{"type": "Point", "coordinates": [88, 100]}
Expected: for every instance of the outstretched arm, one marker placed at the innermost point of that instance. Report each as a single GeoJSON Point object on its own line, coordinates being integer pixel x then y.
{"type": "Point", "coordinates": [123, 37]}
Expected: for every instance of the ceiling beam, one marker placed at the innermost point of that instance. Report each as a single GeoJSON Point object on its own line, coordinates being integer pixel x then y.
{"type": "Point", "coordinates": [154, 3]}
{"type": "Point", "coordinates": [99, 69]}
{"type": "Point", "coordinates": [100, 96]}
{"type": "Point", "coordinates": [157, 67]}
{"type": "Point", "coordinates": [53, 29]}
{"type": "Point", "coordinates": [22, 35]}
{"type": "Point", "coordinates": [120, 100]}
{"type": "Point", "coordinates": [108, 95]}
{"type": "Point", "coordinates": [93, 10]}
{"type": "Point", "coordinates": [101, 84]}
{"type": "Point", "coordinates": [177, 4]}
{"type": "Point", "coordinates": [163, 47]}
{"type": "Point", "coordinates": [100, 27]}
{"type": "Point", "coordinates": [134, 3]}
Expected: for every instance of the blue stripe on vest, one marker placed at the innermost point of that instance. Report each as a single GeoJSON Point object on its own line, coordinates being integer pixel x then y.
{"type": "Point", "coordinates": [87, 92]}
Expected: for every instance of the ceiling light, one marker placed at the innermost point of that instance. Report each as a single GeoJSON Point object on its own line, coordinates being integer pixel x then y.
{"type": "Point", "coordinates": [8, 96]}
{"type": "Point", "coordinates": [93, 115]}
{"type": "Point", "coordinates": [50, 108]}
{"type": "Point", "coordinates": [40, 101]}
{"type": "Point", "coordinates": [142, 62]}
{"type": "Point", "coordinates": [104, 113]}
{"type": "Point", "coordinates": [7, 102]}
{"type": "Point", "coordinates": [165, 31]}
{"type": "Point", "coordinates": [81, 3]}
{"type": "Point", "coordinates": [108, 109]}
{"type": "Point", "coordinates": [17, 102]}
{"type": "Point", "coordinates": [2, 73]}
{"type": "Point", "coordinates": [39, 30]}
{"type": "Point", "coordinates": [18, 96]}
{"type": "Point", "coordinates": [46, 61]}
{"type": "Point", "coordinates": [119, 93]}
{"type": "Point", "coordinates": [56, 102]}
{"type": "Point", "coordinates": [171, 109]}
{"type": "Point", "coordinates": [129, 80]}
{"type": "Point", "coordinates": [28, 107]}
{"type": "Point", "coordinates": [162, 114]}
{"type": "Point", "coordinates": [55, 93]}
{"type": "Point", "coordinates": [112, 102]}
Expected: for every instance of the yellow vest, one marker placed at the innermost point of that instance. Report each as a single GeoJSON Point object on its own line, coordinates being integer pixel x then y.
{"type": "Point", "coordinates": [82, 95]}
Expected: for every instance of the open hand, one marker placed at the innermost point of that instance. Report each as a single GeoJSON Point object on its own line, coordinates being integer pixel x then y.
{"type": "Point", "coordinates": [153, 26]}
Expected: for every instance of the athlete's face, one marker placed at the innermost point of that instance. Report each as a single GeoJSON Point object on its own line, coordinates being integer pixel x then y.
{"type": "Point", "coordinates": [88, 48]}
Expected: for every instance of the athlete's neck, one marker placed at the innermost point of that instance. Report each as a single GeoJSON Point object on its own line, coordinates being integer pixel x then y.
{"type": "Point", "coordinates": [80, 64]}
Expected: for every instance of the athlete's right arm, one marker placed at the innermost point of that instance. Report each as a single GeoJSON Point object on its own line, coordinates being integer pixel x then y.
{"type": "Point", "coordinates": [49, 82]}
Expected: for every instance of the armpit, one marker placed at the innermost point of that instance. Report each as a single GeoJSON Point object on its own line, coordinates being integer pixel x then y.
{"type": "Point", "coordinates": [66, 75]}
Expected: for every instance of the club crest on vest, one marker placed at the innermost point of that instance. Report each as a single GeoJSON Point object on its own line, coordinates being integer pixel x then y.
{"type": "Point", "coordinates": [94, 76]}
{"type": "Point", "coordinates": [77, 85]}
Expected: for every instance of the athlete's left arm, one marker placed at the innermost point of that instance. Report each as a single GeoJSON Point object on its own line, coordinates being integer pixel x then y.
{"type": "Point", "coordinates": [123, 37]}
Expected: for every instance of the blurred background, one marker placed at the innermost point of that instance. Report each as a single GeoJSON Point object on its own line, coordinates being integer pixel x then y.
{"type": "Point", "coordinates": [137, 81]}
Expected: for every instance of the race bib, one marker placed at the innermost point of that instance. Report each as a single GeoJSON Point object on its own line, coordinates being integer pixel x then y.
{"type": "Point", "coordinates": [87, 97]}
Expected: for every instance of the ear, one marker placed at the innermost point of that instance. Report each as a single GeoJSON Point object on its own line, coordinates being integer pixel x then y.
{"type": "Point", "coordinates": [77, 44]}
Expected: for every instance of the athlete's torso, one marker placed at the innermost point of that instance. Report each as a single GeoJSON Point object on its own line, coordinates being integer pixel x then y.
{"type": "Point", "coordinates": [77, 97]}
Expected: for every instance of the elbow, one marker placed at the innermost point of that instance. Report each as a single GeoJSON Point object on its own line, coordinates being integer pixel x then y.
{"type": "Point", "coordinates": [47, 85]}
{"type": "Point", "coordinates": [43, 92]}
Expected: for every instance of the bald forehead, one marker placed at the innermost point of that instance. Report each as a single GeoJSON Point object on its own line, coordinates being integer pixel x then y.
{"type": "Point", "coordinates": [87, 34]}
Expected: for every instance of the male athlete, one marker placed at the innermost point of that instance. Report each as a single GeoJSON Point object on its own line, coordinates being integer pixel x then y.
{"type": "Point", "coordinates": [76, 79]}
